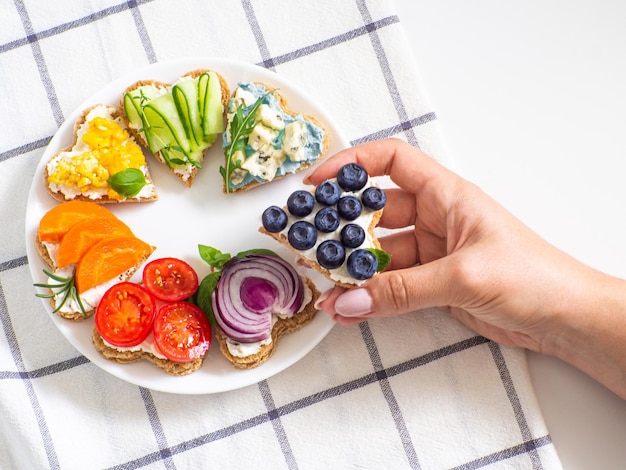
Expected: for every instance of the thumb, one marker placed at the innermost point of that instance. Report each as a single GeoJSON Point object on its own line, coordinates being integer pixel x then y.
{"type": "Point", "coordinates": [397, 292]}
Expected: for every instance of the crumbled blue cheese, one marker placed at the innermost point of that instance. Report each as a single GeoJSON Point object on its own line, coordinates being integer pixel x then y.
{"type": "Point", "coordinates": [279, 142]}
{"type": "Point", "coordinates": [295, 140]}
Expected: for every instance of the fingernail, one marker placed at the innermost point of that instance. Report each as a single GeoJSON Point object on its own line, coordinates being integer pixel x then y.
{"type": "Point", "coordinates": [353, 303]}
{"type": "Point", "coordinates": [321, 299]}
{"type": "Point", "coordinates": [306, 179]}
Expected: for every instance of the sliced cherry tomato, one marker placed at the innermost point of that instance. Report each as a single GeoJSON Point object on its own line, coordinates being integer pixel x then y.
{"type": "Point", "coordinates": [182, 332]}
{"type": "Point", "coordinates": [125, 314]}
{"type": "Point", "coordinates": [170, 279]}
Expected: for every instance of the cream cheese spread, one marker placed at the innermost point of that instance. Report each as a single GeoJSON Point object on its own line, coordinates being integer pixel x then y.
{"type": "Point", "coordinates": [147, 345]}
{"type": "Point", "coordinates": [90, 298]}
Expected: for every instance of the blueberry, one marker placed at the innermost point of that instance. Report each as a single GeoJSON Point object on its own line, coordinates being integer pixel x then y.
{"type": "Point", "coordinates": [374, 198]}
{"type": "Point", "coordinates": [274, 219]}
{"type": "Point", "coordinates": [349, 207]}
{"type": "Point", "coordinates": [331, 254]}
{"type": "Point", "coordinates": [327, 220]}
{"type": "Point", "coordinates": [300, 203]}
{"type": "Point", "coordinates": [362, 264]}
{"type": "Point", "coordinates": [352, 236]}
{"type": "Point", "coordinates": [327, 193]}
{"type": "Point", "coordinates": [302, 235]}
{"type": "Point", "coordinates": [352, 177]}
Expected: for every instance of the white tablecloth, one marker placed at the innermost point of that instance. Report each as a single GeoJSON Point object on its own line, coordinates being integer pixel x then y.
{"type": "Point", "coordinates": [418, 391]}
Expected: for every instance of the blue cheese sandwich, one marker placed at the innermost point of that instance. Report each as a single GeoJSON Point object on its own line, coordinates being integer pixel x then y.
{"type": "Point", "coordinates": [265, 141]}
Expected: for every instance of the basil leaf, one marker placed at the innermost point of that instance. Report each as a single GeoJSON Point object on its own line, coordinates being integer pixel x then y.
{"type": "Point", "coordinates": [255, 251]}
{"type": "Point", "coordinates": [205, 293]}
{"type": "Point", "coordinates": [382, 256]}
{"type": "Point", "coordinates": [128, 182]}
{"type": "Point", "coordinates": [212, 256]}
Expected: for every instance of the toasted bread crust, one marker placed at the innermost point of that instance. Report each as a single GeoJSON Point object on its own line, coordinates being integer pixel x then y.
{"type": "Point", "coordinates": [193, 73]}
{"type": "Point", "coordinates": [80, 197]}
{"type": "Point", "coordinates": [127, 357]}
{"type": "Point", "coordinates": [282, 101]}
{"type": "Point", "coordinates": [281, 327]}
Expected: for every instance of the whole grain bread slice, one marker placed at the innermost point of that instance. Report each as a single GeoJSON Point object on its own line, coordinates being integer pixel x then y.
{"type": "Point", "coordinates": [128, 357]}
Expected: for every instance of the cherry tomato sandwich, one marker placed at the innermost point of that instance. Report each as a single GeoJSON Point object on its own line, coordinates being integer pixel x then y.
{"type": "Point", "coordinates": [152, 321]}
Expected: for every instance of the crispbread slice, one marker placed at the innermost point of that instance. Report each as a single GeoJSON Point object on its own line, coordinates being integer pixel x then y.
{"type": "Point", "coordinates": [283, 103]}
{"type": "Point", "coordinates": [340, 275]}
{"type": "Point", "coordinates": [127, 357]}
{"type": "Point", "coordinates": [281, 327]}
{"type": "Point", "coordinates": [191, 170]}
{"type": "Point", "coordinates": [312, 263]}
{"type": "Point", "coordinates": [104, 199]}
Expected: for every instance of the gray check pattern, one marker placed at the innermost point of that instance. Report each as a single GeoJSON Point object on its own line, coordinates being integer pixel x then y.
{"type": "Point", "coordinates": [418, 391]}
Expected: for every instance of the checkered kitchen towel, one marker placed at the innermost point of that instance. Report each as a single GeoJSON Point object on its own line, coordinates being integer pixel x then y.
{"type": "Point", "coordinates": [418, 391]}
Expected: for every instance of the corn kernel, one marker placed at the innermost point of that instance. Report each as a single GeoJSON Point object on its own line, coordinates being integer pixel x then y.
{"type": "Point", "coordinates": [112, 151]}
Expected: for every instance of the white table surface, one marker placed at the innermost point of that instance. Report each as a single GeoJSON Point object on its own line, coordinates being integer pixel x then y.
{"type": "Point", "coordinates": [531, 99]}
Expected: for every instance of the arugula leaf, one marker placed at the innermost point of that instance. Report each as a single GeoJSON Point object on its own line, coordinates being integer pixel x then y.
{"type": "Point", "coordinates": [128, 182]}
{"type": "Point", "coordinates": [382, 256]}
{"type": "Point", "coordinates": [240, 128]}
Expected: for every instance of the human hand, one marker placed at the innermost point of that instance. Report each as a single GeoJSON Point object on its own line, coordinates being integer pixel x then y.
{"type": "Point", "coordinates": [461, 251]}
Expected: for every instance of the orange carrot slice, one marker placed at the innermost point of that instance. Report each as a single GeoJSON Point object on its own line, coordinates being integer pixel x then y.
{"type": "Point", "coordinates": [57, 221]}
{"type": "Point", "coordinates": [109, 258]}
{"type": "Point", "coordinates": [85, 233]}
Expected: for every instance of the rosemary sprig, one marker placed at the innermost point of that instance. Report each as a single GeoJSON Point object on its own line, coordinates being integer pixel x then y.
{"type": "Point", "coordinates": [66, 286]}
{"type": "Point", "coordinates": [240, 128]}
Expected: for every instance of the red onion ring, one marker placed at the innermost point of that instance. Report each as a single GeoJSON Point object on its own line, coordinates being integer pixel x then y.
{"type": "Point", "coordinates": [251, 290]}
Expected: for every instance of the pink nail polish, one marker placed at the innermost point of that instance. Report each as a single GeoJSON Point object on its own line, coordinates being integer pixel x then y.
{"type": "Point", "coordinates": [354, 303]}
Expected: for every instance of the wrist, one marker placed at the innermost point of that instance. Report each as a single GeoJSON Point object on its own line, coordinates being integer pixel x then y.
{"type": "Point", "coordinates": [589, 330]}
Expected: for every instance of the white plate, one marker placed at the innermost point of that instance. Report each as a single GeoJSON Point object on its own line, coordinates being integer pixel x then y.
{"type": "Point", "coordinates": [184, 217]}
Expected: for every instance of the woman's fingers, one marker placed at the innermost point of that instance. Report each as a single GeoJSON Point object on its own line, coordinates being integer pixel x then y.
{"type": "Point", "coordinates": [400, 209]}
{"type": "Point", "coordinates": [403, 249]}
{"type": "Point", "coordinates": [408, 167]}
{"type": "Point", "coordinates": [391, 293]}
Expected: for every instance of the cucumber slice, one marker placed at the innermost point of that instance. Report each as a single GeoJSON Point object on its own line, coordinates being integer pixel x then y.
{"type": "Point", "coordinates": [165, 125]}
{"type": "Point", "coordinates": [134, 103]}
{"type": "Point", "coordinates": [202, 92]}
{"type": "Point", "coordinates": [185, 94]}
{"type": "Point", "coordinates": [212, 108]}
{"type": "Point", "coordinates": [133, 111]}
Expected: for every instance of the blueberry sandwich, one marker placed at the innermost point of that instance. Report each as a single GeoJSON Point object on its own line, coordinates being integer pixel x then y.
{"type": "Point", "coordinates": [331, 228]}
